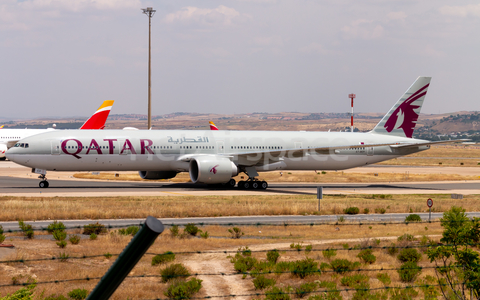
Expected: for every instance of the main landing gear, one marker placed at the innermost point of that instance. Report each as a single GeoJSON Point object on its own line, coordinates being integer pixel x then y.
{"type": "Point", "coordinates": [252, 182]}
{"type": "Point", "coordinates": [44, 183]}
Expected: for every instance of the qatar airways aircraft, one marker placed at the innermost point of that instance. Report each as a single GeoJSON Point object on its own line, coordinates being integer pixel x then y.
{"type": "Point", "coordinates": [9, 137]}
{"type": "Point", "coordinates": [215, 156]}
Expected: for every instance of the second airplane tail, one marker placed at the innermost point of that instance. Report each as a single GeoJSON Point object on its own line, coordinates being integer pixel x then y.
{"type": "Point", "coordinates": [98, 119]}
{"type": "Point", "coordinates": [403, 116]}
{"type": "Point", "coordinates": [213, 126]}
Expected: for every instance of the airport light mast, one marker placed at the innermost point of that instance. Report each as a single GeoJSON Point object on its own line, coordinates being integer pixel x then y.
{"type": "Point", "coordinates": [351, 96]}
{"type": "Point", "coordinates": [149, 11]}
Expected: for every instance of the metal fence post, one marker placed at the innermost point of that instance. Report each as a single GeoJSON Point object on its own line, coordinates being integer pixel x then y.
{"type": "Point", "coordinates": [319, 195]}
{"type": "Point", "coordinates": [127, 259]}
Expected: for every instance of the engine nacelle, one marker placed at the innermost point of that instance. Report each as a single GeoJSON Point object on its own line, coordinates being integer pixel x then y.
{"type": "Point", "coordinates": [212, 169]}
{"type": "Point", "coordinates": [3, 149]}
{"type": "Point", "coordinates": [157, 174]}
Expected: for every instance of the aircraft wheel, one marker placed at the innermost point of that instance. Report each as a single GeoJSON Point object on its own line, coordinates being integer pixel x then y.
{"type": "Point", "coordinates": [231, 183]}
{"type": "Point", "coordinates": [240, 184]}
{"type": "Point", "coordinates": [43, 184]}
{"type": "Point", "coordinates": [263, 185]}
{"type": "Point", "coordinates": [255, 185]}
{"type": "Point", "coordinates": [246, 185]}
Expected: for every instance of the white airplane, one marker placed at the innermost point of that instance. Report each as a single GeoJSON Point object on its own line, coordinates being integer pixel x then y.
{"type": "Point", "coordinates": [215, 156]}
{"type": "Point", "coordinates": [9, 137]}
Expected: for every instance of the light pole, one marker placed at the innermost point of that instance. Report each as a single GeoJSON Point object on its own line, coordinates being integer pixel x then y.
{"type": "Point", "coordinates": [149, 11]}
{"type": "Point", "coordinates": [351, 96]}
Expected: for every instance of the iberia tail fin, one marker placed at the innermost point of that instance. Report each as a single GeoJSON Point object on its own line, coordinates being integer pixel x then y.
{"type": "Point", "coordinates": [403, 116]}
{"type": "Point", "coordinates": [98, 119]}
{"type": "Point", "coordinates": [1, 126]}
{"type": "Point", "coordinates": [213, 126]}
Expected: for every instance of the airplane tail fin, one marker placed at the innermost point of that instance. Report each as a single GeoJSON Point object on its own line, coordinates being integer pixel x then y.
{"type": "Point", "coordinates": [98, 119]}
{"type": "Point", "coordinates": [403, 116]}
{"type": "Point", "coordinates": [213, 126]}
{"type": "Point", "coordinates": [1, 126]}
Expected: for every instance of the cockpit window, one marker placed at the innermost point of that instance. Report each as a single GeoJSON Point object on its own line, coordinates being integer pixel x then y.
{"type": "Point", "coordinates": [21, 145]}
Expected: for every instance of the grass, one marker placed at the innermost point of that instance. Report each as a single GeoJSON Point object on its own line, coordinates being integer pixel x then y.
{"type": "Point", "coordinates": [59, 208]}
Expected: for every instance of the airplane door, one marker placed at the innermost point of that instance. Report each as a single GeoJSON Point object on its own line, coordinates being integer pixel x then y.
{"type": "Point", "coordinates": [220, 147]}
{"type": "Point", "coordinates": [369, 151]}
{"type": "Point", "coordinates": [298, 145]}
{"type": "Point", "coordinates": [55, 147]}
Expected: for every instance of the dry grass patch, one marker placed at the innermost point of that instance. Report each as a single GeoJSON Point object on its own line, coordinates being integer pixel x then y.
{"type": "Point", "coordinates": [59, 208]}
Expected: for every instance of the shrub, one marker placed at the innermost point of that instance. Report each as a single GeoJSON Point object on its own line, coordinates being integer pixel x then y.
{"type": "Point", "coordinates": [409, 271]}
{"type": "Point", "coordinates": [2, 238]}
{"type": "Point", "coordinates": [62, 244]}
{"type": "Point", "coordinates": [204, 235]}
{"type": "Point", "coordinates": [55, 226]}
{"type": "Point", "coordinates": [131, 230]}
{"type": "Point", "coordinates": [74, 239]}
{"type": "Point", "coordinates": [329, 253]}
{"type": "Point", "coordinates": [367, 256]}
{"type": "Point", "coordinates": [406, 238]}
{"type": "Point", "coordinates": [380, 210]}
{"type": "Point", "coordinates": [175, 271]}
{"type": "Point", "coordinates": [345, 246]}
{"type": "Point", "coordinates": [55, 297]}
{"type": "Point", "coordinates": [366, 211]}
{"type": "Point", "coordinates": [305, 289]}
{"type": "Point", "coordinates": [93, 236]}
{"type": "Point", "coordinates": [297, 246]}
{"type": "Point", "coordinates": [282, 266]}
{"type": "Point", "coordinates": [78, 294]}
{"type": "Point", "coordinates": [192, 229]}
{"type": "Point", "coordinates": [96, 228]}
{"type": "Point", "coordinates": [236, 232]}
{"type": "Point", "coordinates": [107, 255]}
{"type": "Point", "coordinates": [27, 229]}
{"type": "Point", "coordinates": [340, 219]}
{"type": "Point", "coordinates": [272, 256]}
{"type": "Point", "coordinates": [174, 231]}
{"type": "Point", "coordinates": [63, 256]}
{"type": "Point", "coordinates": [262, 282]}
{"type": "Point", "coordinates": [59, 235]}
{"type": "Point", "coordinates": [413, 218]}
{"type": "Point", "coordinates": [343, 265]}
{"type": "Point", "coordinates": [277, 293]}
{"type": "Point", "coordinates": [163, 258]}
{"type": "Point", "coordinates": [384, 278]}
{"type": "Point", "coordinates": [392, 250]}
{"type": "Point", "coordinates": [303, 268]}
{"type": "Point", "coordinates": [351, 210]}
{"type": "Point", "coordinates": [324, 266]}
{"type": "Point", "coordinates": [308, 249]}
{"type": "Point", "coordinates": [180, 289]}
{"type": "Point", "coordinates": [409, 254]}
{"type": "Point", "coordinates": [354, 280]}
{"type": "Point", "coordinates": [243, 264]}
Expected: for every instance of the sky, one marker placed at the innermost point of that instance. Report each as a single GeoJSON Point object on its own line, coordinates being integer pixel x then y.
{"type": "Point", "coordinates": [61, 58]}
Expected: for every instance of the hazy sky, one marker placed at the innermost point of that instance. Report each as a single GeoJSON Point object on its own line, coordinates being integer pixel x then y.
{"type": "Point", "coordinates": [64, 57]}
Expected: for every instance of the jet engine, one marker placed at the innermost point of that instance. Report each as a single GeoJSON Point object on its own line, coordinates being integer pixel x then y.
{"type": "Point", "coordinates": [157, 174]}
{"type": "Point", "coordinates": [212, 169]}
{"type": "Point", "coordinates": [3, 149]}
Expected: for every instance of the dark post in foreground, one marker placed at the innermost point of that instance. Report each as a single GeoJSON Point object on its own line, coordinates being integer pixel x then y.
{"type": "Point", "coordinates": [127, 259]}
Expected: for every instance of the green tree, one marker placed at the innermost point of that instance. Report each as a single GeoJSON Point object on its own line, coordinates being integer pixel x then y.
{"type": "Point", "coordinates": [458, 264]}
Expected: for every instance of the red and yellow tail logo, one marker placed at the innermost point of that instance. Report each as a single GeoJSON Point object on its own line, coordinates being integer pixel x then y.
{"type": "Point", "coordinates": [98, 119]}
{"type": "Point", "coordinates": [1, 126]}
{"type": "Point", "coordinates": [212, 126]}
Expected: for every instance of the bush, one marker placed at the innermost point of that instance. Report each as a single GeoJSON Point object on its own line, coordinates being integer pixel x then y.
{"type": "Point", "coordinates": [409, 254]}
{"type": "Point", "coordinates": [297, 246]}
{"type": "Point", "coordinates": [409, 271]}
{"type": "Point", "coordinates": [305, 289]}
{"type": "Point", "coordinates": [380, 210]}
{"type": "Point", "coordinates": [303, 268]}
{"type": "Point", "coordinates": [308, 249]}
{"type": "Point", "coordinates": [277, 293]}
{"type": "Point", "coordinates": [93, 236]}
{"type": "Point", "coordinates": [236, 232]}
{"type": "Point", "coordinates": [180, 289]}
{"type": "Point", "coordinates": [366, 211]}
{"type": "Point", "coordinates": [243, 264]}
{"type": "Point", "coordinates": [406, 238]}
{"type": "Point", "coordinates": [204, 235]}
{"type": "Point", "coordinates": [163, 258]}
{"type": "Point", "coordinates": [354, 280]}
{"type": "Point", "coordinates": [192, 229]}
{"type": "Point", "coordinates": [74, 239]}
{"type": "Point", "coordinates": [55, 297]}
{"type": "Point", "coordinates": [282, 267]}
{"type": "Point", "coordinates": [174, 231]}
{"type": "Point", "coordinates": [343, 265]}
{"type": "Point", "coordinates": [329, 253]}
{"type": "Point", "coordinates": [59, 235]}
{"type": "Point", "coordinates": [78, 294]}
{"type": "Point", "coordinates": [27, 229]}
{"type": "Point", "coordinates": [413, 218]}
{"type": "Point", "coordinates": [384, 278]}
{"type": "Point", "coordinates": [175, 271]}
{"type": "Point", "coordinates": [367, 256]}
{"type": "Point", "coordinates": [96, 228]}
{"type": "Point", "coordinates": [262, 282]}
{"type": "Point", "coordinates": [392, 250]}
{"type": "Point", "coordinates": [62, 244]}
{"type": "Point", "coordinates": [55, 226]}
{"type": "Point", "coordinates": [131, 230]}
{"type": "Point", "coordinates": [351, 210]}
{"type": "Point", "coordinates": [107, 255]}
{"type": "Point", "coordinates": [2, 238]}
{"type": "Point", "coordinates": [272, 256]}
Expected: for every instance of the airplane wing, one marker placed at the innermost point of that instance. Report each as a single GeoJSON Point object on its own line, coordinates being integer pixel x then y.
{"type": "Point", "coordinates": [98, 119]}
{"type": "Point", "coordinates": [429, 143]}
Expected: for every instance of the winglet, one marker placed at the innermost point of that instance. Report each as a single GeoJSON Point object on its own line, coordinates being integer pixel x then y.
{"type": "Point", "coordinates": [98, 119]}
{"type": "Point", "coordinates": [213, 126]}
{"type": "Point", "coordinates": [403, 116]}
